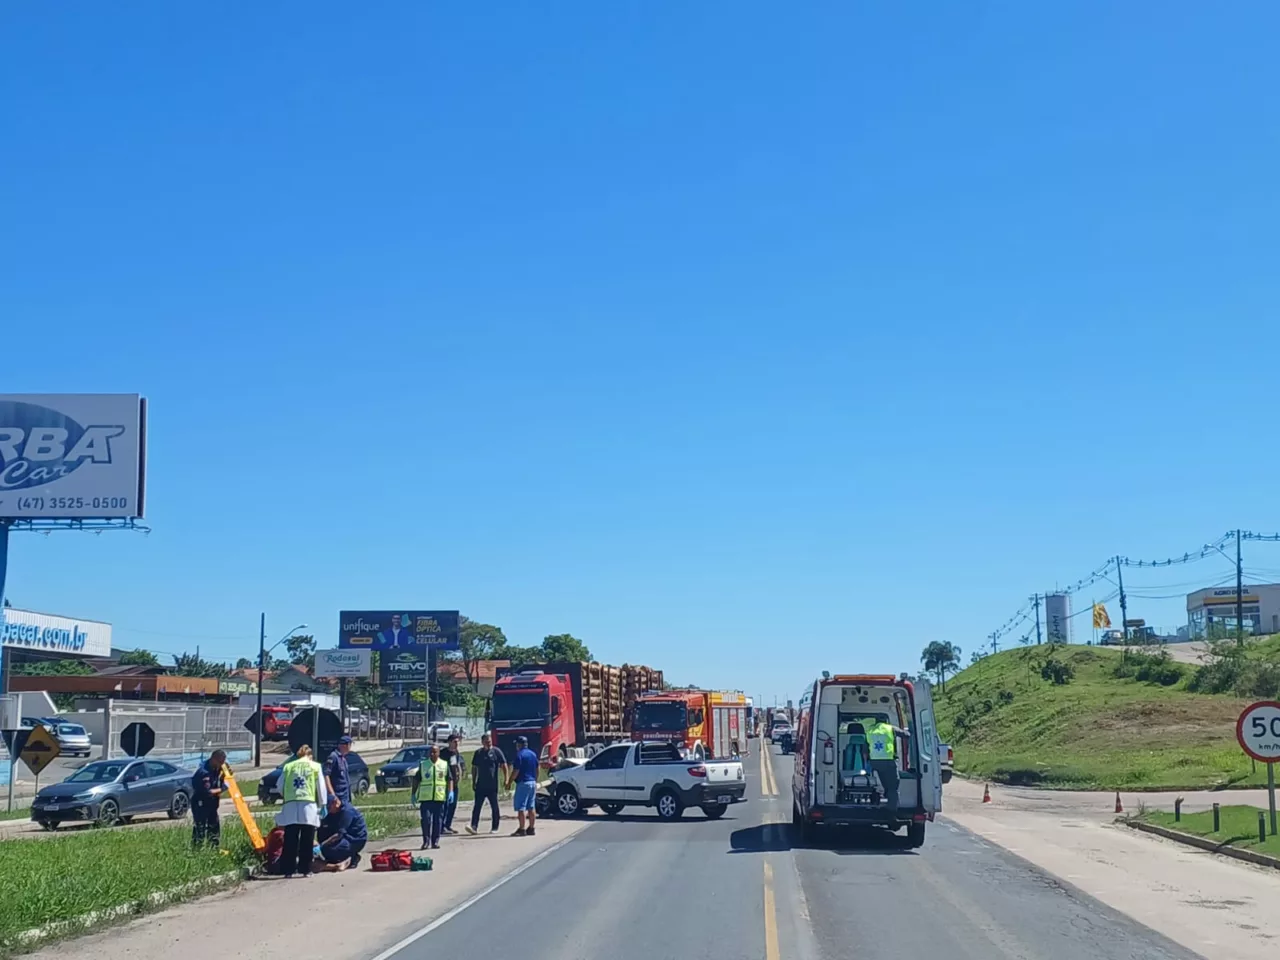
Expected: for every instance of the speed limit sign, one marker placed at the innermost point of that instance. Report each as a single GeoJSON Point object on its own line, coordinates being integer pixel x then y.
{"type": "Point", "coordinates": [1258, 730]}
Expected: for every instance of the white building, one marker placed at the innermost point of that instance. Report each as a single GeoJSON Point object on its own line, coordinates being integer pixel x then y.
{"type": "Point", "coordinates": [1215, 608]}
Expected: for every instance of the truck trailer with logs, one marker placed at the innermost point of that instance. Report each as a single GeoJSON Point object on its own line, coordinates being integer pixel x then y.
{"type": "Point", "coordinates": [567, 704]}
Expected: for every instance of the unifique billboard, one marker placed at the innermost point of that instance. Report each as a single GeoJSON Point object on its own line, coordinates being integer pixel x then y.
{"type": "Point", "coordinates": [343, 663]}
{"type": "Point", "coordinates": [1057, 617]}
{"type": "Point", "coordinates": [72, 455]}
{"type": "Point", "coordinates": [404, 666]}
{"type": "Point", "coordinates": [28, 630]}
{"type": "Point", "coordinates": [398, 629]}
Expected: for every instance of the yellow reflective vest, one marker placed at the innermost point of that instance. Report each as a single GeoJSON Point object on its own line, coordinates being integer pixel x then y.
{"type": "Point", "coordinates": [882, 742]}
{"type": "Point", "coordinates": [300, 780]}
{"type": "Point", "coordinates": [434, 783]}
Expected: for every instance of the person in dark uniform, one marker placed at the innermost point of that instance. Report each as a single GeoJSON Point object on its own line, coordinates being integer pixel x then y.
{"type": "Point", "coordinates": [342, 836]}
{"type": "Point", "coordinates": [337, 776]}
{"type": "Point", "coordinates": [207, 785]}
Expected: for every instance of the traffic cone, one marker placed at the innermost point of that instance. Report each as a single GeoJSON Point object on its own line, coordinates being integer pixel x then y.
{"type": "Point", "coordinates": [986, 793]}
{"type": "Point", "coordinates": [1119, 805]}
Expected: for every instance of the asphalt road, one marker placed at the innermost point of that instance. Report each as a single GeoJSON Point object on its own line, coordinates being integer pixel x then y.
{"type": "Point", "coordinates": [632, 887]}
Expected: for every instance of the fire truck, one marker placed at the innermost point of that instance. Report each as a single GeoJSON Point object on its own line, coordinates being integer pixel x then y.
{"type": "Point", "coordinates": [705, 723]}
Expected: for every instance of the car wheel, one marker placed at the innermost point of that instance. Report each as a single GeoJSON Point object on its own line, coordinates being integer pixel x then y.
{"type": "Point", "coordinates": [382, 785]}
{"type": "Point", "coordinates": [108, 813]}
{"type": "Point", "coordinates": [50, 825]}
{"type": "Point", "coordinates": [946, 776]}
{"type": "Point", "coordinates": [715, 811]}
{"type": "Point", "coordinates": [568, 803]}
{"type": "Point", "coordinates": [668, 804]}
{"type": "Point", "coordinates": [915, 834]}
{"type": "Point", "coordinates": [542, 806]}
{"type": "Point", "coordinates": [179, 805]}
{"type": "Point", "coordinates": [362, 787]}
{"type": "Point", "coordinates": [611, 809]}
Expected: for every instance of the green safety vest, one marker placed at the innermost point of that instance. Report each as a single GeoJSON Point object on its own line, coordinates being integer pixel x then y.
{"type": "Point", "coordinates": [435, 780]}
{"type": "Point", "coordinates": [300, 780]}
{"type": "Point", "coordinates": [881, 740]}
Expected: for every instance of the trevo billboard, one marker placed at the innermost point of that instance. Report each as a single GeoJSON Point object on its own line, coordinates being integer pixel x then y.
{"type": "Point", "coordinates": [403, 666]}
{"type": "Point", "coordinates": [72, 455]}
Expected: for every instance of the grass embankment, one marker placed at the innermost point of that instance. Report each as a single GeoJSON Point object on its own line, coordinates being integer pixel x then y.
{"type": "Point", "coordinates": [1238, 827]}
{"type": "Point", "coordinates": [66, 877]}
{"type": "Point", "coordinates": [1117, 723]}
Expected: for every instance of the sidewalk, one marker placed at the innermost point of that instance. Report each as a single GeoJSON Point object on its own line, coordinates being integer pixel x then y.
{"type": "Point", "coordinates": [1220, 908]}
{"type": "Point", "coordinates": [368, 911]}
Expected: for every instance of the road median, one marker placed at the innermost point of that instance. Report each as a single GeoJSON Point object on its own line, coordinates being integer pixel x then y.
{"type": "Point", "coordinates": [1238, 835]}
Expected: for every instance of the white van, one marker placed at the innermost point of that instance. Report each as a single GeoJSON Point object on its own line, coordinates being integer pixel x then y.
{"type": "Point", "coordinates": [834, 781]}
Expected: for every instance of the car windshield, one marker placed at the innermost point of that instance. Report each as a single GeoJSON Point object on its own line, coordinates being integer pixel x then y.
{"type": "Point", "coordinates": [661, 715]}
{"type": "Point", "coordinates": [524, 705]}
{"type": "Point", "coordinates": [71, 730]}
{"type": "Point", "coordinates": [102, 772]}
{"type": "Point", "coordinates": [412, 755]}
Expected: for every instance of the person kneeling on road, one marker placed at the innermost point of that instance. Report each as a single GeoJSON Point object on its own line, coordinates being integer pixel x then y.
{"type": "Point", "coordinates": [342, 836]}
{"type": "Point", "coordinates": [524, 773]}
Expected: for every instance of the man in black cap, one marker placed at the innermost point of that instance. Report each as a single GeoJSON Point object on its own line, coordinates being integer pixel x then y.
{"type": "Point", "coordinates": [336, 776]}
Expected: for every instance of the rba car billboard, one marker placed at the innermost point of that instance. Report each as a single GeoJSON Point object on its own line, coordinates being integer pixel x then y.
{"type": "Point", "coordinates": [72, 455]}
{"type": "Point", "coordinates": [404, 666]}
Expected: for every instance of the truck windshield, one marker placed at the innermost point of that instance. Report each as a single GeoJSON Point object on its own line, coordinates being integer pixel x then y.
{"type": "Point", "coordinates": [524, 705]}
{"type": "Point", "coordinates": [661, 716]}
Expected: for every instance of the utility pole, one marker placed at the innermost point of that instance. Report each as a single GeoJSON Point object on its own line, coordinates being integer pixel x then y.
{"type": "Point", "coordinates": [1124, 602]}
{"type": "Point", "coordinates": [1036, 600]}
{"type": "Point", "coordinates": [262, 655]}
{"type": "Point", "coordinates": [994, 647]}
{"type": "Point", "coordinates": [1239, 595]}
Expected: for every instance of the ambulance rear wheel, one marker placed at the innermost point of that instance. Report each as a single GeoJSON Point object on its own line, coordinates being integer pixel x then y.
{"type": "Point", "coordinates": [915, 834]}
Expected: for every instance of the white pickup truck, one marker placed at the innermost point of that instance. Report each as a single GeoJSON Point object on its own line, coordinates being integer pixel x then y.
{"type": "Point", "coordinates": [647, 775]}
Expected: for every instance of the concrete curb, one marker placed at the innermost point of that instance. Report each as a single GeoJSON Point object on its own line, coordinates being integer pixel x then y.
{"type": "Point", "coordinates": [1202, 843]}
{"type": "Point", "coordinates": [63, 928]}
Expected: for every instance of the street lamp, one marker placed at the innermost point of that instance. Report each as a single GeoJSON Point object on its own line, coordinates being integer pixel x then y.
{"type": "Point", "coordinates": [263, 650]}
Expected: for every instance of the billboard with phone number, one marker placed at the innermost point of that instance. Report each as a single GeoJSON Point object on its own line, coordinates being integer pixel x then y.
{"type": "Point", "coordinates": [393, 630]}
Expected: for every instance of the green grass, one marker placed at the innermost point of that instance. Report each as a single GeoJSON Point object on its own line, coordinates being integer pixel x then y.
{"type": "Point", "coordinates": [65, 877]}
{"type": "Point", "coordinates": [1099, 731]}
{"type": "Point", "coordinates": [1239, 827]}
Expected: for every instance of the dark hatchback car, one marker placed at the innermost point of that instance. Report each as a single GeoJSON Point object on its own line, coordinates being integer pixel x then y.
{"type": "Point", "coordinates": [108, 792]}
{"type": "Point", "coordinates": [269, 786]}
{"type": "Point", "coordinates": [399, 770]}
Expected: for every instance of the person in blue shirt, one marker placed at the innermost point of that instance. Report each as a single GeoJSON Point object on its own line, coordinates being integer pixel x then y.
{"type": "Point", "coordinates": [342, 836]}
{"type": "Point", "coordinates": [207, 785]}
{"type": "Point", "coordinates": [524, 774]}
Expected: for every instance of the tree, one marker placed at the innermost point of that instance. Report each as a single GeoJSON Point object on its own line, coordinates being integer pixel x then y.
{"type": "Point", "coordinates": [244, 663]}
{"type": "Point", "coordinates": [301, 648]}
{"type": "Point", "coordinates": [139, 658]}
{"type": "Point", "coordinates": [52, 668]}
{"type": "Point", "coordinates": [938, 658]}
{"type": "Point", "coordinates": [564, 646]}
{"type": "Point", "coordinates": [476, 642]}
{"type": "Point", "coordinates": [190, 665]}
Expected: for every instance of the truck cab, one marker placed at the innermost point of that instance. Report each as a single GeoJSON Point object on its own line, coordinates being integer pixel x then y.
{"type": "Point", "coordinates": [536, 705]}
{"type": "Point", "coordinates": [674, 716]}
{"type": "Point", "coordinates": [836, 781]}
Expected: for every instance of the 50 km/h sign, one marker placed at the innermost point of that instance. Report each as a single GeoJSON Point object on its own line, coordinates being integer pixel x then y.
{"type": "Point", "coordinates": [1258, 730]}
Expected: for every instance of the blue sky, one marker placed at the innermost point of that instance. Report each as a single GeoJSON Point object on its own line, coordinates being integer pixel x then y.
{"type": "Point", "coordinates": [740, 343]}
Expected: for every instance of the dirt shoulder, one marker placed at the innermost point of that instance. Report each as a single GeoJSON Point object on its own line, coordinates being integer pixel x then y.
{"type": "Point", "coordinates": [369, 910]}
{"type": "Point", "coordinates": [1219, 908]}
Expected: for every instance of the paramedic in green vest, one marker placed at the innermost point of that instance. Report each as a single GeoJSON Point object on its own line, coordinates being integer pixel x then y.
{"type": "Point", "coordinates": [305, 795]}
{"type": "Point", "coordinates": [882, 745]}
{"type": "Point", "coordinates": [432, 792]}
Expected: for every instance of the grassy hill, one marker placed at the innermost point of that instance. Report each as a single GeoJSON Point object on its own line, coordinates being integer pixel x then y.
{"type": "Point", "coordinates": [1120, 722]}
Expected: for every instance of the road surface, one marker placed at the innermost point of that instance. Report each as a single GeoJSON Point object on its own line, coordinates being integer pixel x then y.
{"type": "Point", "coordinates": [632, 887]}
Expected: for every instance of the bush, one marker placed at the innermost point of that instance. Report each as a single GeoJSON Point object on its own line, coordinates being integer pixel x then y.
{"type": "Point", "coordinates": [1149, 668]}
{"type": "Point", "coordinates": [1056, 671]}
{"type": "Point", "coordinates": [1005, 697]}
{"type": "Point", "coordinates": [1230, 670]}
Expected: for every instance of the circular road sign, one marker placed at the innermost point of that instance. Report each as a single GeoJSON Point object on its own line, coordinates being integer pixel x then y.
{"type": "Point", "coordinates": [1258, 730]}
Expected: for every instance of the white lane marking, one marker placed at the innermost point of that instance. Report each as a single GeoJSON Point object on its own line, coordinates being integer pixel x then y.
{"type": "Point", "coordinates": [444, 918]}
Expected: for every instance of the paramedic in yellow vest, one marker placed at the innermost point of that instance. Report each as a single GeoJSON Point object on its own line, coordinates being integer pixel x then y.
{"type": "Point", "coordinates": [882, 745]}
{"type": "Point", "coordinates": [303, 788]}
{"type": "Point", "coordinates": [433, 791]}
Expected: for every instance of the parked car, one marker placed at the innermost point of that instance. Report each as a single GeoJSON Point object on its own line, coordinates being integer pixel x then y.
{"type": "Point", "coordinates": [439, 731]}
{"type": "Point", "coordinates": [107, 792]}
{"type": "Point", "coordinates": [269, 786]}
{"type": "Point", "coordinates": [73, 739]}
{"type": "Point", "coordinates": [947, 758]}
{"type": "Point", "coordinates": [399, 770]}
{"type": "Point", "coordinates": [781, 734]}
{"type": "Point", "coordinates": [649, 774]}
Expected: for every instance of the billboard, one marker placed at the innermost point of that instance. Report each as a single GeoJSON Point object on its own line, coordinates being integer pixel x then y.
{"type": "Point", "coordinates": [398, 629]}
{"type": "Point", "coordinates": [1057, 617]}
{"type": "Point", "coordinates": [404, 666]}
{"type": "Point", "coordinates": [28, 630]}
{"type": "Point", "coordinates": [72, 455]}
{"type": "Point", "coordinates": [343, 663]}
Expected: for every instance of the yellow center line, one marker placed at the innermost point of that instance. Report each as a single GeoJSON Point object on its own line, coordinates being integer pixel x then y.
{"type": "Point", "coordinates": [770, 916]}
{"type": "Point", "coordinates": [768, 785]}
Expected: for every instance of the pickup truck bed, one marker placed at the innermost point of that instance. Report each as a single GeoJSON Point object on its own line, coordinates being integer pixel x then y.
{"type": "Point", "coordinates": [649, 775]}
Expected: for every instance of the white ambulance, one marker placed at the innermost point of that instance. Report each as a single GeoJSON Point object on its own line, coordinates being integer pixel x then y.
{"type": "Point", "coordinates": [836, 779]}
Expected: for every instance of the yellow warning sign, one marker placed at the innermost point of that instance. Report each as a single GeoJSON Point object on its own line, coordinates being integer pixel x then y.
{"type": "Point", "coordinates": [242, 808]}
{"type": "Point", "coordinates": [40, 750]}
